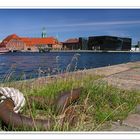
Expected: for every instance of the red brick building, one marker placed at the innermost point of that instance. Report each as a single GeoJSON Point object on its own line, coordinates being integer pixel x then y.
{"type": "Point", "coordinates": [71, 44]}
{"type": "Point", "coordinates": [12, 42]}
{"type": "Point", "coordinates": [16, 43]}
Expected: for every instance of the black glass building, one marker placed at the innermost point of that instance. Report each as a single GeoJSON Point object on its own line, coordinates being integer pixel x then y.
{"type": "Point", "coordinates": [109, 43]}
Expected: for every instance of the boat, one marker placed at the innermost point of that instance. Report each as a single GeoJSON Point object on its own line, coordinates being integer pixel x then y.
{"type": "Point", "coordinates": [3, 50]}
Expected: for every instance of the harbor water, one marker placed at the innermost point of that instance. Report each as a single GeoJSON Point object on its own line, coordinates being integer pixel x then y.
{"type": "Point", "coordinates": [21, 66]}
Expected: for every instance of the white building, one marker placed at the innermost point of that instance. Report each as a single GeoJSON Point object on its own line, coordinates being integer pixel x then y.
{"type": "Point", "coordinates": [135, 49]}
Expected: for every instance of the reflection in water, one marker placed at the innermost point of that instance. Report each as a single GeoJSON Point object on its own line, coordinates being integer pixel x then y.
{"type": "Point", "coordinates": [29, 65]}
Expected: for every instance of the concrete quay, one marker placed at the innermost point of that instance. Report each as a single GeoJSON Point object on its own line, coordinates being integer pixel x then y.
{"type": "Point", "coordinates": [124, 76]}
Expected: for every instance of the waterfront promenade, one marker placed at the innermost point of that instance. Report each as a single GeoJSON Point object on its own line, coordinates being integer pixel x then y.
{"type": "Point", "coordinates": [125, 76]}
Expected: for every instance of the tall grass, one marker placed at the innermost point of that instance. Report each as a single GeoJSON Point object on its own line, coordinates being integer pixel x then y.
{"type": "Point", "coordinates": [99, 103]}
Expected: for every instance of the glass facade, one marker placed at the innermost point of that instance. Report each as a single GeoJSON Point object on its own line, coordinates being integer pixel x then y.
{"type": "Point", "coordinates": [109, 43]}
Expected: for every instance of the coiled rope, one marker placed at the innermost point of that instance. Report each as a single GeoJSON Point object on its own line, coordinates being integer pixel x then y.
{"type": "Point", "coordinates": [12, 101]}
{"type": "Point", "coordinates": [15, 95]}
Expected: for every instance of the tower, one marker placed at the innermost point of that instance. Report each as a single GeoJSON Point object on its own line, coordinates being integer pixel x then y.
{"type": "Point", "coordinates": [43, 35]}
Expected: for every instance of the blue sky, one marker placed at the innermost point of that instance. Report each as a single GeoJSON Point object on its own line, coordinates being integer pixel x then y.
{"type": "Point", "coordinates": [70, 23]}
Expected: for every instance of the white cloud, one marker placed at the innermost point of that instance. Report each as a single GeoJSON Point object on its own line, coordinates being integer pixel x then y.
{"type": "Point", "coordinates": [118, 33]}
{"type": "Point", "coordinates": [97, 23]}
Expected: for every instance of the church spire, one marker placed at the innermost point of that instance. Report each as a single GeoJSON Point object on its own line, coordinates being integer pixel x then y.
{"type": "Point", "coordinates": [43, 35]}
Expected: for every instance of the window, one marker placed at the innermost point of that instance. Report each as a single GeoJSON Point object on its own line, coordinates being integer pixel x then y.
{"type": "Point", "coordinates": [28, 49]}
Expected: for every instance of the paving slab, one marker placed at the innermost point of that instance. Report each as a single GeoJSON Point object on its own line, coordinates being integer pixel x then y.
{"type": "Point", "coordinates": [131, 123]}
{"type": "Point", "coordinates": [127, 78]}
{"type": "Point", "coordinates": [121, 128]}
{"type": "Point", "coordinates": [133, 120]}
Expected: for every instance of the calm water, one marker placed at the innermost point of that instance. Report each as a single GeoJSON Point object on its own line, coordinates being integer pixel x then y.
{"type": "Point", "coordinates": [30, 65]}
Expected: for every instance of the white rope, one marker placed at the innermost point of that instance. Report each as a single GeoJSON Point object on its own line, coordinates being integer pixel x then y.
{"type": "Point", "coordinates": [14, 94]}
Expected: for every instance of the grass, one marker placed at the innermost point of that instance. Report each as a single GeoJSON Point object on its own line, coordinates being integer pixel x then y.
{"type": "Point", "coordinates": [99, 103]}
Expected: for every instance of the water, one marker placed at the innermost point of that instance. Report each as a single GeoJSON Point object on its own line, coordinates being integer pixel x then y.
{"type": "Point", "coordinates": [30, 65]}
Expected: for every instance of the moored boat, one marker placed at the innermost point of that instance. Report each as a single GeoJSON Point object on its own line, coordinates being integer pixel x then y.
{"type": "Point", "coordinates": [3, 50]}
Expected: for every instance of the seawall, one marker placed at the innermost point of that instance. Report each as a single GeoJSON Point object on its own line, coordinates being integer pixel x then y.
{"type": "Point", "coordinates": [92, 51]}
{"type": "Point", "coordinates": [124, 76]}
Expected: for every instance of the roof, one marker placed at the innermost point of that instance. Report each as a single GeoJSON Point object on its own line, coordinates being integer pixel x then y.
{"type": "Point", "coordinates": [8, 38]}
{"type": "Point", "coordinates": [72, 40]}
{"type": "Point", "coordinates": [39, 41]}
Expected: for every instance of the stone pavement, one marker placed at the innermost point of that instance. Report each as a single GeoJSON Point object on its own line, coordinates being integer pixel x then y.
{"type": "Point", "coordinates": [131, 123]}
{"type": "Point", "coordinates": [124, 76]}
